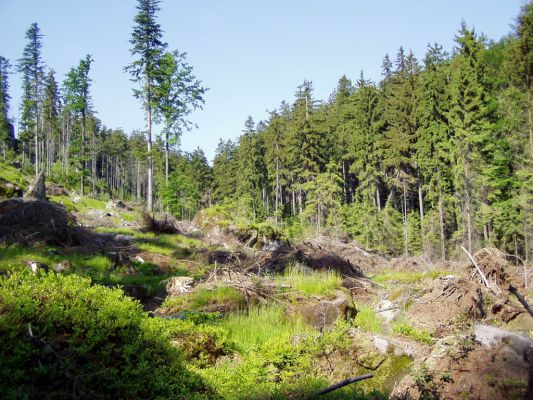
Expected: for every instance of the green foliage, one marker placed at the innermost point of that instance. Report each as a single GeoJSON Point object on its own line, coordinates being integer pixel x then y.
{"type": "Point", "coordinates": [260, 324]}
{"type": "Point", "coordinates": [409, 331]}
{"type": "Point", "coordinates": [405, 277]}
{"type": "Point", "coordinates": [59, 333]}
{"type": "Point", "coordinates": [221, 297]}
{"type": "Point", "coordinates": [316, 283]}
{"type": "Point", "coordinates": [13, 175]}
{"type": "Point", "coordinates": [180, 196]}
{"type": "Point", "coordinates": [367, 319]}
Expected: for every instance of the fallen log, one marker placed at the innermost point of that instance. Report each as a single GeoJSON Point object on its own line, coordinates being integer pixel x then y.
{"type": "Point", "coordinates": [346, 382]}
{"type": "Point", "coordinates": [521, 299]}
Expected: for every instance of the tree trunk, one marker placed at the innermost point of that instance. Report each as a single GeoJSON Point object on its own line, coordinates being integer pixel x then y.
{"type": "Point", "coordinates": [149, 171]}
{"type": "Point", "coordinates": [404, 212]}
{"type": "Point", "coordinates": [442, 232]}
{"type": "Point", "coordinates": [468, 209]}
{"type": "Point", "coordinates": [167, 150]}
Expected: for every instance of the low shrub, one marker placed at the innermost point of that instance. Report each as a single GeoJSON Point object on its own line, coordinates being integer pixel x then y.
{"type": "Point", "coordinates": [63, 338]}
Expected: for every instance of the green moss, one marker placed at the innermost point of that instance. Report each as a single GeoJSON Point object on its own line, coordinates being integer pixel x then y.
{"type": "Point", "coordinates": [390, 372]}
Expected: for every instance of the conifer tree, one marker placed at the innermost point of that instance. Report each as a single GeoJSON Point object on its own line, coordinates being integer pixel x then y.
{"type": "Point", "coordinates": [470, 128]}
{"type": "Point", "coordinates": [6, 126]}
{"type": "Point", "coordinates": [148, 47]}
{"type": "Point", "coordinates": [31, 66]}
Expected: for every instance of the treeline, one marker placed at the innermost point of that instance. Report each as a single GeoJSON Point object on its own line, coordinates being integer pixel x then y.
{"type": "Point", "coordinates": [435, 156]}
{"type": "Point", "coordinates": [60, 134]}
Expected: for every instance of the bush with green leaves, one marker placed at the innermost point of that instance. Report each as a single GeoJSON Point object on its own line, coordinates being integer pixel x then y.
{"type": "Point", "coordinates": [64, 338]}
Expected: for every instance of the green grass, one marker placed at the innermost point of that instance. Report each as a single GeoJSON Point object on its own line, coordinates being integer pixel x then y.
{"type": "Point", "coordinates": [405, 277]}
{"type": "Point", "coordinates": [118, 231]}
{"type": "Point", "coordinates": [96, 266]}
{"type": "Point", "coordinates": [170, 245]}
{"type": "Point", "coordinates": [312, 284]}
{"type": "Point", "coordinates": [260, 324]}
{"type": "Point", "coordinates": [13, 175]}
{"type": "Point", "coordinates": [404, 329]}
{"type": "Point", "coordinates": [367, 320]}
{"type": "Point", "coordinates": [88, 203]}
{"type": "Point", "coordinates": [222, 296]}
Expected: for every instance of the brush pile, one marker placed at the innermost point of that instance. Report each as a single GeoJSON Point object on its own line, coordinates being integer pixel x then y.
{"type": "Point", "coordinates": [38, 221]}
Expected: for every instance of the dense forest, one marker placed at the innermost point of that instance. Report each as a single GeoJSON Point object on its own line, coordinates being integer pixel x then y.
{"type": "Point", "coordinates": [436, 155]}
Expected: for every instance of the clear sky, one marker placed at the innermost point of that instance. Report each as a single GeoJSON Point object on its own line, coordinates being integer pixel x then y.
{"type": "Point", "coordinates": [251, 54]}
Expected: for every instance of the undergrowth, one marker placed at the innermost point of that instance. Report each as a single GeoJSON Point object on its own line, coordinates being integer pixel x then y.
{"type": "Point", "coordinates": [314, 283]}
{"type": "Point", "coordinates": [260, 324]}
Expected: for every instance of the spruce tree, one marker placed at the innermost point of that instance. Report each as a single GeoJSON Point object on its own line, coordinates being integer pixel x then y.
{"type": "Point", "coordinates": [6, 127]}
{"type": "Point", "coordinates": [470, 129]}
{"type": "Point", "coordinates": [148, 47]}
{"type": "Point", "coordinates": [31, 66]}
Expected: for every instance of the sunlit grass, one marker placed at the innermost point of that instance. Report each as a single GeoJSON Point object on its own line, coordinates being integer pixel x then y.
{"type": "Point", "coordinates": [260, 324]}
{"type": "Point", "coordinates": [367, 319]}
{"type": "Point", "coordinates": [315, 283]}
{"type": "Point", "coordinates": [405, 329]}
{"type": "Point", "coordinates": [12, 175]}
{"type": "Point", "coordinates": [96, 266]}
{"type": "Point", "coordinates": [405, 277]}
{"type": "Point", "coordinates": [222, 296]}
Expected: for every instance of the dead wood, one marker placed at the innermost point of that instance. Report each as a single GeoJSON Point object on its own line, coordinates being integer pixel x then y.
{"type": "Point", "coordinates": [346, 382]}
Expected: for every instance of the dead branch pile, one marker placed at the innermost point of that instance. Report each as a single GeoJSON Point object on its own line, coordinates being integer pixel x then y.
{"type": "Point", "coordinates": [493, 265]}
{"type": "Point", "coordinates": [165, 224]}
{"type": "Point", "coordinates": [28, 222]}
{"type": "Point", "coordinates": [250, 285]}
{"type": "Point", "coordinates": [448, 298]}
{"type": "Point", "coordinates": [310, 254]}
{"type": "Point", "coordinates": [361, 259]}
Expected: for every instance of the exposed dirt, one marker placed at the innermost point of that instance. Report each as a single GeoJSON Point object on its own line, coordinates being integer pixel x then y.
{"type": "Point", "coordinates": [449, 302]}
{"type": "Point", "coordinates": [462, 368]}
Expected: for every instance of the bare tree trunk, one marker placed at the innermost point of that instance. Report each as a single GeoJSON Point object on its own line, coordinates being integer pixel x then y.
{"type": "Point", "coordinates": [167, 150]}
{"type": "Point", "coordinates": [150, 170]}
{"type": "Point", "coordinates": [404, 212]}
{"type": "Point", "coordinates": [468, 209]}
{"type": "Point", "coordinates": [442, 232]}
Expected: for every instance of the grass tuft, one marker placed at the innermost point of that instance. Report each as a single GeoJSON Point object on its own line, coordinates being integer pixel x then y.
{"type": "Point", "coordinates": [260, 324]}
{"type": "Point", "coordinates": [316, 283]}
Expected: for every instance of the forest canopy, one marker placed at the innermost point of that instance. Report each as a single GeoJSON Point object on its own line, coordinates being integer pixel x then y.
{"type": "Point", "coordinates": [436, 155]}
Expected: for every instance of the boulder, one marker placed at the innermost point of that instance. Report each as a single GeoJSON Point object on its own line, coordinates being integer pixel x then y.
{"type": "Point", "coordinates": [322, 313]}
{"type": "Point", "coordinates": [490, 336]}
{"type": "Point", "coordinates": [63, 266]}
{"type": "Point", "coordinates": [387, 310]}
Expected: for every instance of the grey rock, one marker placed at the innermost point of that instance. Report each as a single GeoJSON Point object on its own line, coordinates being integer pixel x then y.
{"type": "Point", "coordinates": [490, 336]}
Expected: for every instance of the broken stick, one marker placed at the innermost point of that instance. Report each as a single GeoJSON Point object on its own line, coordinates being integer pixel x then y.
{"type": "Point", "coordinates": [483, 277]}
{"type": "Point", "coordinates": [344, 383]}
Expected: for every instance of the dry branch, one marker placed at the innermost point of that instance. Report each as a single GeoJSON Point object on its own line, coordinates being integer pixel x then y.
{"type": "Point", "coordinates": [483, 277]}
{"type": "Point", "coordinates": [346, 382]}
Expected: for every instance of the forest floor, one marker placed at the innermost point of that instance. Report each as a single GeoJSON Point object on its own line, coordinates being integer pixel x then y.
{"type": "Point", "coordinates": [424, 330]}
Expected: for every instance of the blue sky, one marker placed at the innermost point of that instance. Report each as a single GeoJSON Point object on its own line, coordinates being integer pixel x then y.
{"type": "Point", "coordinates": [250, 54]}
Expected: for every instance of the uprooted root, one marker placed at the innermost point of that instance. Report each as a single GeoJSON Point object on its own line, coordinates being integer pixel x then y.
{"type": "Point", "coordinates": [28, 222]}
{"type": "Point", "coordinates": [167, 224]}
